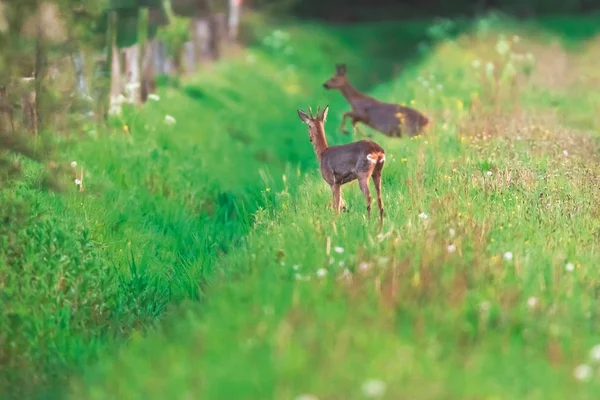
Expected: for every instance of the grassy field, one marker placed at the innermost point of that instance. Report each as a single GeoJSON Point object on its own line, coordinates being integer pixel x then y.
{"type": "Point", "coordinates": [203, 259]}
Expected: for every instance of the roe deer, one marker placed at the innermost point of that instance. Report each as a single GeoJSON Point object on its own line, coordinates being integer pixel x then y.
{"type": "Point", "coordinates": [387, 118]}
{"type": "Point", "coordinates": [360, 160]}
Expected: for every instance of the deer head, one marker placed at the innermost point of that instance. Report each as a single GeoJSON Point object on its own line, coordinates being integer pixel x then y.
{"type": "Point", "coordinates": [315, 123]}
{"type": "Point", "coordinates": [338, 80]}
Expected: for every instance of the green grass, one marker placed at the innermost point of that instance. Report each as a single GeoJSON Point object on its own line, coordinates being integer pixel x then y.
{"type": "Point", "coordinates": [189, 267]}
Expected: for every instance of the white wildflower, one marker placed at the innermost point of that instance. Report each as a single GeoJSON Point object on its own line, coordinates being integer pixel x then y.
{"type": "Point", "coordinates": [532, 302]}
{"type": "Point", "coordinates": [451, 248]}
{"type": "Point", "coordinates": [476, 63]}
{"type": "Point", "coordinates": [485, 306]}
{"type": "Point", "coordinates": [565, 153]}
{"type": "Point", "coordinates": [296, 267]}
{"type": "Point", "coordinates": [341, 263]}
{"type": "Point", "coordinates": [502, 47]}
{"type": "Point", "coordinates": [582, 372]}
{"type": "Point", "coordinates": [423, 216]}
{"type": "Point", "coordinates": [595, 353]}
{"type": "Point", "coordinates": [78, 181]}
{"type": "Point", "coordinates": [73, 164]}
{"type": "Point", "coordinates": [300, 277]}
{"type": "Point", "coordinates": [363, 266]}
{"type": "Point", "coordinates": [373, 388]}
{"type": "Point", "coordinates": [489, 68]}
{"type": "Point", "coordinates": [338, 249]}
{"type": "Point", "coordinates": [169, 120]}
{"type": "Point", "coordinates": [508, 256]}
{"type": "Point", "coordinates": [452, 232]}
{"type": "Point", "coordinates": [530, 57]}
{"type": "Point", "coordinates": [306, 397]}
{"type": "Point", "coordinates": [154, 97]}
{"type": "Point", "coordinates": [321, 272]}
{"type": "Point", "coordinates": [570, 267]}
{"type": "Point", "coordinates": [489, 173]}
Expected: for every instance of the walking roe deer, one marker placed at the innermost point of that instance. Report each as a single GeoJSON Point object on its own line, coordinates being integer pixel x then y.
{"type": "Point", "coordinates": [341, 164]}
{"type": "Point", "coordinates": [387, 118]}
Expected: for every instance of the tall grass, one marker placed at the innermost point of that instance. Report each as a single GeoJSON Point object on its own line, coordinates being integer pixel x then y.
{"type": "Point", "coordinates": [480, 285]}
{"type": "Point", "coordinates": [220, 225]}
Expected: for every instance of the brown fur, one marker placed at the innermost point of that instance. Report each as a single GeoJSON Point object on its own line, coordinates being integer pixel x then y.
{"type": "Point", "coordinates": [339, 165]}
{"type": "Point", "coordinates": [387, 118]}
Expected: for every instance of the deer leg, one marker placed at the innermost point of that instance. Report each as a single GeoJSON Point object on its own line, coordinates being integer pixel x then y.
{"type": "Point", "coordinates": [364, 186]}
{"type": "Point", "coordinates": [337, 197]}
{"type": "Point", "coordinates": [355, 118]}
{"type": "Point", "coordinates": [377, 181]}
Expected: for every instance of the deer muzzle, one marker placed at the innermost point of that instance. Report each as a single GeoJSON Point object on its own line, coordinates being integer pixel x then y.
{"type": "Point", "coordinates": [326, 86]}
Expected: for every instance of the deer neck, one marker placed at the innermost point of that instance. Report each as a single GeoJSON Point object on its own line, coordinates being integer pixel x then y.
{"type": "Point", "coordinates": [350, 93]}
{"type": "Point", "coordinates": [319, 140]}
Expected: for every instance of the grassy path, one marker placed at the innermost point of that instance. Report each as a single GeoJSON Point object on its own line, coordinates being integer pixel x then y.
{"type": "Point", "coordinates": [481, 285]}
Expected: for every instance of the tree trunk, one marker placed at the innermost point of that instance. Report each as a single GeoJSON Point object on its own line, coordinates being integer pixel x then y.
{"type": "Point", "coordinates": [132, 74]}
{"type": "Point", "coordinates": [201, 38]}
{"type": "Point", "coordinates": [235, 9]}
{"type": "Point", "coordinates": [115, 67]}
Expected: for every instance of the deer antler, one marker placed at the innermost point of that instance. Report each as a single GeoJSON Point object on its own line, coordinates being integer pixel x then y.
{"type": "Point", "coordinates": [310, 114]}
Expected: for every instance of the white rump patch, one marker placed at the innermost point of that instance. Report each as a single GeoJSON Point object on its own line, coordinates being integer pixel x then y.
{"type": "Point", "coordinates": [372, 158]}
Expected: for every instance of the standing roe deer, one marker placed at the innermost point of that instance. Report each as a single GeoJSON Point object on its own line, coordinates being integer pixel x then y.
{"type": "Point", "coordinates": [387, 118]}
{"type": "Point", "coordinates": [360, 160]}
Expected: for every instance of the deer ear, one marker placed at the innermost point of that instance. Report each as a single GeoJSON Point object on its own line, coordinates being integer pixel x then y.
{"type": "Point", "coordinates": [305, 118]}
{"type": "Point", "coordinates": [340, 69]}
{"type": "Point", "coordinates": [324, 113]}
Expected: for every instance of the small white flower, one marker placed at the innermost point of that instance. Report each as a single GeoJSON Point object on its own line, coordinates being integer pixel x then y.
{"type": "Point", "coordinates": [508, 256]}
{"type": "Point", "coordinates": [489, 173]}
{"type": "Point", "coordinates": [595, 353]}
{"type": "Point", "coordinates": [338, 249]}
{"type": "Point", "coordinates": [565, 153]}
{"type": "Point", "coordinates": [373, 388]}
{"type": "Point", "coordinates": [341, 263]}
{"type": "Point", "coordinates": [78, 181]}
{"type": "Point", "coordinates": [532, 302]}
{"type": "Point", "coordinates": [485, 306]}
{"type": "Point", "coordinates": [296, 267]}
{"type": "Point", "coordinates": [502, 47]}
{"type": "Point", "coordinates": [169, 120]}
{"type": "Point", "coordinates": [73, 164]}
{"type": "Point", "coordinates": [346, 274]}
{"type": "Point", "coordinates": [452, 232]}
{"type": "Point", "coordinates": [518, 137]}
{"type": "Point", "coordinates": [154, 97]}
{"type": "Point", "coordinates": [300, 277]}
{"type": "Point", "coordinates": [570, 267]}
{"type": "Point", "coordinates": [582, 372]}
{"type": "Point", "coordinates": [306, 397]}
{"type": "Point", "coordinates": [423, 216]}
{"type": "Point", "coordinates": [321, 272]}
{"type": "Point", "coordinates": [363, 266]}
{"type": "Point", "coordinates": [476, 63]}
{"type": "Point", "coordinates": [452, 248]}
